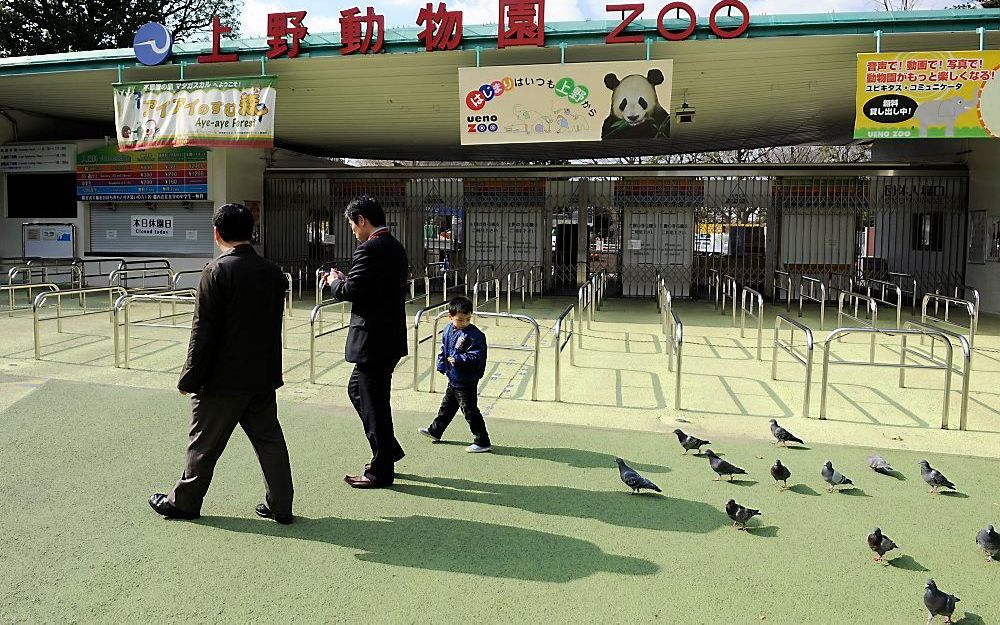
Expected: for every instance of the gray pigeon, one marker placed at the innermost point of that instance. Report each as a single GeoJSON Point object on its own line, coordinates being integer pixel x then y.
{"type": "Point", "coordinates": [780, 473]}
{"type": "Point", "coordinates": [989, 541]}
{"type": "Point", "coordinates": [740, 514]}
{"type": "Point", "coordinates": [934, 477]}
{"type": "Point", "coordinates": [880, 465]}
{"type": "Point", "coordinates": [689, 442]}
{"type": "Point", "coordinates": [833, 477]}
{"type": "Point", "coordinates": [938, 603]}
{"type": "Point", "coordinates": [722, 467]}
{"type": "Point", "coordinates": [782, 435]}
{"type": "Point", "coordinates": [632, 478]}
{"type": "Point", "coordinates": [880, 544]}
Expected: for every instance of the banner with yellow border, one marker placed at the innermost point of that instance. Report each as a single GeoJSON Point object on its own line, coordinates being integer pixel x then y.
{"type": "Point", "coordinates": [912, 95]}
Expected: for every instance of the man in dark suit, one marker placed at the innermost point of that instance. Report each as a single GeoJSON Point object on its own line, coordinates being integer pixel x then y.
{"type": "Point", "coordinates": [232, 370]}
{"type": "Point", "coordinates": [376, 340]}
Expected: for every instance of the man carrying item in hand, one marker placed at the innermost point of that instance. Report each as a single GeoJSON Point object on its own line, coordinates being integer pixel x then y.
{"type": "Point", "coordinates": [376, 339]}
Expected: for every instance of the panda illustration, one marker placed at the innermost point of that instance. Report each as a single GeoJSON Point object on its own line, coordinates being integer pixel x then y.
{"type": "Point", "coordinates": [635, 109]}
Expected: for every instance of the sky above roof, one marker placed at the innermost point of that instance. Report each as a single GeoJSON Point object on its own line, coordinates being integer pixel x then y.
{"type": "Point", "coordinates": [324, 15]}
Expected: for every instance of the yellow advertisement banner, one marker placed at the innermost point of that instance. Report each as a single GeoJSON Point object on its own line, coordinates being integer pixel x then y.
{"type": "Point", "coordinates": [620, 100]}
{"type": "Point", "coordinates": [911, 95]}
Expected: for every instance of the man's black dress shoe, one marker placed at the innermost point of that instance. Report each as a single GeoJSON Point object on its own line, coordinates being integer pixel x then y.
{"type": "Point", "coordinates": [158, 502]}
{"type": "Point", "coordinates": [265, 512]}
{"type": "Point", "coordinates": [363, 481]}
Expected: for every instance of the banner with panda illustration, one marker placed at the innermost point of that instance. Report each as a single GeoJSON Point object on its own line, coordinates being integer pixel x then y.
{"type": "Point", "coordinates": [913, 95]}
{"type": "Point", "coordinates": [565, 102]}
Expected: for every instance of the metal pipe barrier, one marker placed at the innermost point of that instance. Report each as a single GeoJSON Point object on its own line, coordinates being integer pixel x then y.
{"type": "Point", "coordinates": [903, 333]}
{"type": "Point", "coordinates": [561, 343]}
{"type": "Point", "coordinates": [969, 307]}
{"type": "Point", "coordinates": [101, 271]}
{"type": "Point", "coordinates": [871, 306]}
{"type": "Point", "coordinates": [120, 277]}
{"type": "Point", "coordinates": [536, 281]}
{"type": "Point", "coordinates": [289, 293]}
{"type": "Point", "coordinates": [41, 298]}
{"type": "Point", "coordinates": [812, 297]}
{"type": "Point", "coordinates": [149, 263]}
{"type": "Point", "coordinates": [730, 289]}
{"type": "Point", "coordinates": [417, 339]}
{"type": "Point", "coordinates": [805, 359]}
{"type": "Point", "coordinates": [298, 267]}
{"type": "Point", "coordinates": [317, 316]}
{"type": "Point", "coordinates": [492, 275]}
{"type": "Point", "coordinates": [901, 279]}
{"type": "Point", "coordinates": [521, 348]}
{"type": "Point", "coordinates": [584, 308]}
{"type": "Point", "coordinates": [180, 274]}
{"type": "Point", "coordinates": [882, 299]}
{"type": "Point", "coordinates": [665, 302]}
{"type": "Point", "coordinates": [49, 267]}
{"type": "Point", "coordinates": [11, 289]}
{"type": "Point", "coordinates": [496, 296]}
{"type": "Point", "coordinates": [840, 283]}
{"type": "Point", "coordinates": [522, 282]}
{"type": "Point", "coordinates": [965, 292]}
{"type": "Point", "coordinates": [965, 371]}
{"type": "Point", "coordinates": [782, 281]}
{"type": "Point", "coordinates": [759, 316]}
{"type": "Point", "coordinates": [414, 296]}
{"type": "Point", "coordinates": [427, 273]}
{"type": "Point", "coordinates": [675, 345]}
{"type": "Point", "coordinates": [714, 286]}
{"type": "Point", "coordinates": [123, 320]}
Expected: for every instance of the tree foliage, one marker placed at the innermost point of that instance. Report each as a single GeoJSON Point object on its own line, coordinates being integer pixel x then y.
{"type": "Point", "coordinates": [29, 27]}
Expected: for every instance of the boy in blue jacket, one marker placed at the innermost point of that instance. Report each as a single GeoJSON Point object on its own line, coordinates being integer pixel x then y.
{"type": "Point", "coordinates": [463, 361]}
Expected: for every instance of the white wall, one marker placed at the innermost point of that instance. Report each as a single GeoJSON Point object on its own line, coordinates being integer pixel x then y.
{"type": "Point", "coordinates": [983, 159]}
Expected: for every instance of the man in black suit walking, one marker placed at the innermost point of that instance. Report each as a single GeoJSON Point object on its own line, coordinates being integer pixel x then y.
{"type": "Point", "coordinates": [232, 370]}
{"type": "Point", "coordinates": [376, 340]}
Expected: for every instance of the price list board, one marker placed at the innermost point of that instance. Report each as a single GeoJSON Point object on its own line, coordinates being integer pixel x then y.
{"type": "Point", "coordinates": [106, 175]}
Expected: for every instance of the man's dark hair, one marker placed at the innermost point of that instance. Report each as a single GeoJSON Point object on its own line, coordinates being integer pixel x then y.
{"type": "Point", "coordinates": [460, 305]}
{"type": "Point", "coordinates": [367, 207]}
{"type": "Point", "coordinates": [234, 222]}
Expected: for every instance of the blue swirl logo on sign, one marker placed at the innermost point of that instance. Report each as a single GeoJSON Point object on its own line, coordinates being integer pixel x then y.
{"type": "Point", "coordinates": [153, 44]}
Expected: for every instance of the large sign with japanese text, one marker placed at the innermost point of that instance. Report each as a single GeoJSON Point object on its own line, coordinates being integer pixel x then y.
{"type": "Point", "coordinates": [909, 95]}
{"type": "Point", "coordinates": [231, 113]}
{"type": "Point", "coordinates": [107, 175]}
{"type": "Point", "coordinates": [565, 102]}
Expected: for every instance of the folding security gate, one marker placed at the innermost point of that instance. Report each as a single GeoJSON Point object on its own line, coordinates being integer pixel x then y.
{"type": "Point", "coordinates": [639, 224]}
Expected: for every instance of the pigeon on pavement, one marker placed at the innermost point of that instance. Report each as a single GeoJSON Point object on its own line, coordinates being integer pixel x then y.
{"type": "Point", "coordinates": [632, 478]}
{"type": "Point", "coordinates": [880, 465]}
{"type": "Point", "coordinates": [880, 544]}
{"type": "Point", "coordinates": [934, 477]}
{"type": "Point", "coordinates": [740, 514]}
{"type": "Point", "coordinates": [780, 473]}
{"type": "Point", "coordinates": [782, 435]}
{"type": "Point", "coordinates": [689, 442]}
{"type": "Point", "coordinates": [833, 477]}
{"type": "Point", "coordinates": [722, 467]}
{"type": "Point", "coordinates": [989, 541]}
{"type": "Point", "coordinates": [938, 603]}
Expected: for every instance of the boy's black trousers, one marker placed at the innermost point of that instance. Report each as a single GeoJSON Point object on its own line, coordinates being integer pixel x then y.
{"type": "Point", "coordinates": [467, 399]}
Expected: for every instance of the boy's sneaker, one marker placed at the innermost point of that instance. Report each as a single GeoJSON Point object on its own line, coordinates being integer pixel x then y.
{"type": "Point", "coordinates": [477, 449]}
{"type": "Point", "coordinates": [426, 432]}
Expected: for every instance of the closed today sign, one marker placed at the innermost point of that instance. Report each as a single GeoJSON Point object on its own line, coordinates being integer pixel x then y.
{"type": "Point", "coordinates": [156, 226]}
